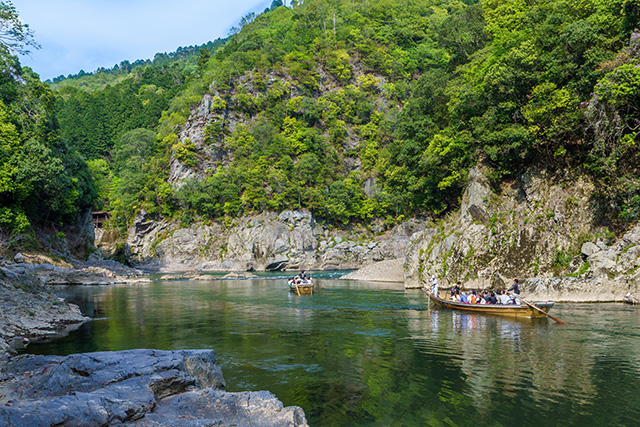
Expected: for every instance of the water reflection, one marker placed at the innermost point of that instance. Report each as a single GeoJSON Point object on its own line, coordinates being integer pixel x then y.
{"type": "Point", "coordinates": [358, 354]}
{"type": "Point", "coordinates": [538, 364]}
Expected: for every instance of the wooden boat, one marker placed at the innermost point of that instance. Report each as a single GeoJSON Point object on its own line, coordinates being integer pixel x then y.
{"type": "Point", "coordinates": [306, 288]}
{"type": "Point", "coordinates": [522, 310]}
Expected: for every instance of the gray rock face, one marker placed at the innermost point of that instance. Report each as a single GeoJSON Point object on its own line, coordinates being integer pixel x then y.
{"type": "Point", "coordinates": [539, 227]}
{"type": "Point", "coordinates": [214, 407]}
{"type": "Point", "coordinates": [84, 226]}
{"type": "Point", "coordinates": [288, 241]}
{"type": "Point", "coordinates": [209, 154]}
{"type": "Point", "coordinates": [559, 289]}
{"type": "Point", "coordinates": [28, 311]}
{"type": "Point", "coordinates": [137, 387]}
{"type": "Point", "coordinates": [589, 248]}
{"type": "Point", "coordinates": [476, 199]}
{"type": "Point", "coordinates": [83, 275]}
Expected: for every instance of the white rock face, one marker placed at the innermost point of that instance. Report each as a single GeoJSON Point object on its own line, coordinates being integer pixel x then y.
{"type": "Point", "coordinates": [589, 248]}
{"type": "Point", "coordinates": [290, 240]}
{"type": "Point", "coordinates": [475, 200]}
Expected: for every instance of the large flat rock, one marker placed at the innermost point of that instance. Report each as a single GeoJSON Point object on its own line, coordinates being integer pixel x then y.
{"type": "Point", "coordinates": [391, 271]}
{"type": "Point", "coordinates": [137, 387]}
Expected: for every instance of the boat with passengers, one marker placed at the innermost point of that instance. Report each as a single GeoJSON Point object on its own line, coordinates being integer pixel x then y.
{"type": "Point", "coordinates": [301, 284]}
{"type": "Point", "coordinates": [300, 288]}
{"type": "Point", "coordinates": [522, 310]}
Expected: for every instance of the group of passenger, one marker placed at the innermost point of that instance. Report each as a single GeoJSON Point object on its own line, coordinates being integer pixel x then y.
{"type": "Point", "coordinates": [301, 279]}
{"type": "Point", "coordinates": [485, 297]}
{"type": "Point", "coordinates": [482, 297]}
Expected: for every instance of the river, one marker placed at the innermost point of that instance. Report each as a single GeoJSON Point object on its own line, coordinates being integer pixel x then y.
{"type": "Point", "coordinates": [356, 354]}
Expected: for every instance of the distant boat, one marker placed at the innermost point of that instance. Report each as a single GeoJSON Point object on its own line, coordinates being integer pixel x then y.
{"type": "Point", "coordinates": [522, 310]}
{"type": "Point", "coordinates": [301, 288]}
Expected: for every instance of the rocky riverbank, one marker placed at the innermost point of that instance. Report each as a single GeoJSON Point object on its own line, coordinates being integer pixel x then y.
{"type": "Point", "coordinates": [135, 387]}
{"type": "Point", "coordinates": [547, 230]}
{"type": "Point", "coordinates": [138, 387]}
{"type": "Point", "coordinates": [28, 311]}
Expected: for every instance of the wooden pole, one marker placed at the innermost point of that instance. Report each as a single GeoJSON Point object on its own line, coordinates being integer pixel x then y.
{"type": "Point", "coordinates": [542, 311]}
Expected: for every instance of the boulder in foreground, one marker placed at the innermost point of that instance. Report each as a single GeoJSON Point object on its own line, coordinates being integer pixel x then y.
{"type": "Point", "coordinates": [135, 387]}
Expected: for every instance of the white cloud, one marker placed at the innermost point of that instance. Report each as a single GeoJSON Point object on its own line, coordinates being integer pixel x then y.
{"type": "Point", "coordinates": [87, 34]}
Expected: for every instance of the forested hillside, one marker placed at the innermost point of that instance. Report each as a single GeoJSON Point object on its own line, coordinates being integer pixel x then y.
{"type": "Point", "coordinates": [183, 57]}
{"type": "Point", "coordinates": [43, 180]}
{"type": "Point", "coordinates": [360, 109]}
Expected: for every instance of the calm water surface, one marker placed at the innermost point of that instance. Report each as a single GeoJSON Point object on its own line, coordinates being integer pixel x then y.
{"type": "Point", "coordinates": [363, 354]}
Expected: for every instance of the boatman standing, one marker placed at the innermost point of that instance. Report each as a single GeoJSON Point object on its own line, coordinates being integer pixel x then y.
{"type": "Point", "coordinates": [515, 287]}
{"type": "Point", "coordinates": [434, 285]}
{"type": "Point", "coordinates": [302, 276]}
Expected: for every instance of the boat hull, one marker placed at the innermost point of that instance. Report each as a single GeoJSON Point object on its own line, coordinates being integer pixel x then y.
{"type": "Point", "coordinates": [304, 289]}
{"type": "Point", "coordinates": [520, 311]}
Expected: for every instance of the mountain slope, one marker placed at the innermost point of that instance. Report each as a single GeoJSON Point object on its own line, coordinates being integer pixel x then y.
{"type": "Point", "coordinates": [362, 109]}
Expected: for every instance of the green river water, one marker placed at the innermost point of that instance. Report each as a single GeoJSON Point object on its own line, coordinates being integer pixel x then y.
{"type": "Point", "coordinates": [357, 354]}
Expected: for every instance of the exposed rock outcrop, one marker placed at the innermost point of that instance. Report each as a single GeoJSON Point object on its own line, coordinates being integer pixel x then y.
{"type": "Point", "coordinates": [82, 274]}
{"type": "Point", "coordinates": [290, 240]}
{"type": "Point", "coordinates": [383, 271]}
{"type": "Point", "coordinates": [28, 311]}
{"type": "Point", "coordinates": [546, 229]}
{"type": "Point", "coordinates": [135, 387]}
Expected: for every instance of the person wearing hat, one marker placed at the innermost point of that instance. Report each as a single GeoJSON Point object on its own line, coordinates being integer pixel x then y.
{"type": "Point", "coordinates": [434, 285]}
{"type": "Point", "coordinates": [455, 290]}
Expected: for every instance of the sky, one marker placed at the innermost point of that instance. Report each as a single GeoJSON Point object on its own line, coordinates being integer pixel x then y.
{"type": "Point", "coordinates": [84, 35]}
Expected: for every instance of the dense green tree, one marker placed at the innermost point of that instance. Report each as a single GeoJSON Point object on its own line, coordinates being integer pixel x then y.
{"type": "Point", "coordinates": [42, 179]}
{"type": "Point", "coordinates": [15, 37]}
{"type": "Point", "coordinates": [312, 101]}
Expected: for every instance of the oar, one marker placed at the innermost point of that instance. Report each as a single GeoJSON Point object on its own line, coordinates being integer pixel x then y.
{"type": "Point", "coordinates": [297, 289]}
{"type": "Point", "coordinates": [542, 311]}
{"type": "Point", "coordinates": [321, 287]}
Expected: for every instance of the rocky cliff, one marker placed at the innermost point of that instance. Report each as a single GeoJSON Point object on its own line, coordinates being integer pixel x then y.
{"type": "Point", "coordinates": [546, 228]}
{"type": "Point", "coordinates": [290, 240]}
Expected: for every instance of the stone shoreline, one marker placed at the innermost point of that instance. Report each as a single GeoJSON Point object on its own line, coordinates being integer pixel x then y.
{"type": "Point", "coordinates": [170, 388]}
{"type": "Point", "coordinates": [29, 311]}
{"type": "Point", "coordinates": [556, 289]}
{"type": "Point", "coordinates": [137, 387]}
{"type": "Point", "coordinates": [563, 290]}
{"type": "Point", "coordinates": [134, 387]}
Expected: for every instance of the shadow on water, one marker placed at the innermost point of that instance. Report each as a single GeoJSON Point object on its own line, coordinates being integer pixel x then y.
{"type": "Point", "coordinates": [359, 353]}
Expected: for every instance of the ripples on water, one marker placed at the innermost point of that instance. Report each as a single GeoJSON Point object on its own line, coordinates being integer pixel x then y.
{"type": "Point", "coordinates": [364, 354]}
